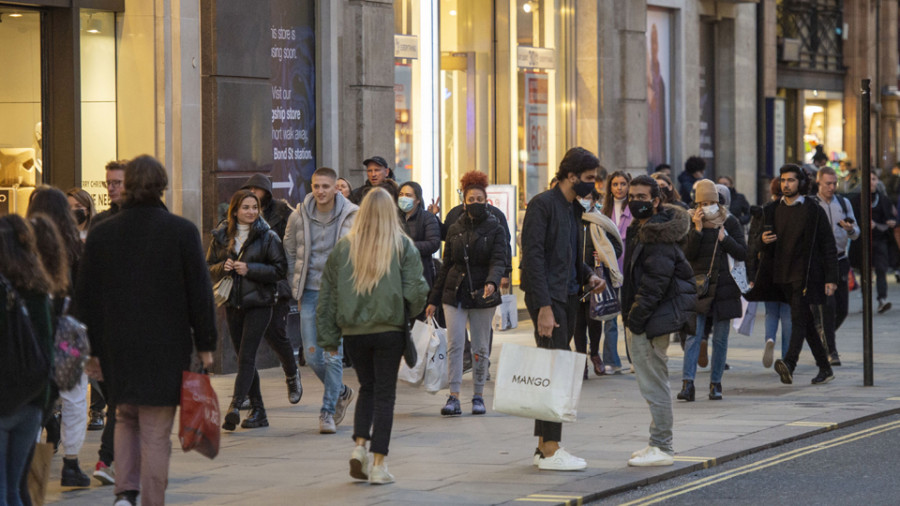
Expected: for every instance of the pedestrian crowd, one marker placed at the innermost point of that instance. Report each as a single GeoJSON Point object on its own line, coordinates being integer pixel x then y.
{"type": "Point", "coordinates": [649, 258]}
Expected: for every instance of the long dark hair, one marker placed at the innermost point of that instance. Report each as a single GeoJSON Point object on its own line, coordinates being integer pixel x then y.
{"type": "Point", "coordinates": [233, 207]}
{"type": "Point", "coordinates": [52, 253]}
{"type": "Point", "coordinates": [55, 205]}
{"type": "Point", "coordinates": [416, 188]}
{"type": "Point", "coordinates": [19, 258]}
{"type": "Point", "coordinates": [608, 200]}
{"type": "Point", "coordinates": [83, 198]}
{"type": "Point", "coordinates": [671, 196]}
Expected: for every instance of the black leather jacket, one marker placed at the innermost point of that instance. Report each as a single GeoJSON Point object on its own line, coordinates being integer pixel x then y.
{"type": "Point", "coordinates": [485, 243]}
{"type": "Point", "coordinates": [266, 265]}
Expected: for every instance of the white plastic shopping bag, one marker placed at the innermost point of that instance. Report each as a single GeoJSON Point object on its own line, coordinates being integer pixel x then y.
{"type": "Point", "coordinates": [437, 367]}
{"type": "Point", "coordinates": [421, 336]}
{"type": "Point", "coordinates": [507, 315]}
{"type": "Point", "coordinates": [538, 383]}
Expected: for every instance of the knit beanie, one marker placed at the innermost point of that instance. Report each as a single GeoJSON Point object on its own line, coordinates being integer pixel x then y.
{"type": "Point", "coordinates": [705, 191]}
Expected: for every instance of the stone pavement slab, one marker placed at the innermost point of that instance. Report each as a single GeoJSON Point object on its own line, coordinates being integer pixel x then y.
{"type": "Point", "coordinates": [487, 459]}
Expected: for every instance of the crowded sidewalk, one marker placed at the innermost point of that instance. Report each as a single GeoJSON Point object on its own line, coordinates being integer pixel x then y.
{"type": "Point", "coordinates": [488, 459]}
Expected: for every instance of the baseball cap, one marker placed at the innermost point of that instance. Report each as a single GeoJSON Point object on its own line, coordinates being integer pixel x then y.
{"type": "Point", "coordinates": [376, 159]}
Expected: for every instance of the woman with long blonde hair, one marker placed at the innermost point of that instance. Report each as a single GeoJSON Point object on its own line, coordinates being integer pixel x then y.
{"type": "Point", "coordinates": [371, 276]}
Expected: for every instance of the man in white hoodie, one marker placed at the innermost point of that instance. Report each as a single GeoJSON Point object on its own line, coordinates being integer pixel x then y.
{"type": "Point", "coordinates": [313, 229]}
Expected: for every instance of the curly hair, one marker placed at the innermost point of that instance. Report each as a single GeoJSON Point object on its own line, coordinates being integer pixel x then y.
{"type": "Point", "coordinates": [53, 256]}
{"type": "Point", "coordinates": [473, 180]}
{"type": "Point", "coordinates": [19, 258]}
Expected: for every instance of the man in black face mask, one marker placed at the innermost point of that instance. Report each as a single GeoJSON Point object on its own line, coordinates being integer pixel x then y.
{"type": "Point", "coordinates": [553, 271]}
{"type": "Point", "coordinates": [658, 298]}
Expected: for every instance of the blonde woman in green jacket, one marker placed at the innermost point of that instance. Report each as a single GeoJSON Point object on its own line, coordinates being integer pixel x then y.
{"type": "Point", "coordinates": [369, 276]}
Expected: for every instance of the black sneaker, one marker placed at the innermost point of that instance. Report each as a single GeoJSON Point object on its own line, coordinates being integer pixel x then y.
{"type": "Point", "coordinates": [825, 375]}
{"type": "Point", "coordinates": [452, 407]}
{"type": "Point", "coordinates": [883, 306]}
{"type": "Point", "coordinates": [96, 421]}
{"type": "Point", "coordinates": [834, 360]}
{"type": "Point", "coordinates": [478, 405]}
{"type": "Point", "coordinates": [787, 376]}
{"type": "Point", "coordinates": [72, 476]}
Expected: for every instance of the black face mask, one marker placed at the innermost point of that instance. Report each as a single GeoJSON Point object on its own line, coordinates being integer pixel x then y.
{"type": "Point", "coordinates": [80, 216]}
{"type": "Point", "coordinates": [640, 209]}
{"type": "Point", "coordinates": [477, 211]}
{"type": "Point", "coordinates": [583, 188]}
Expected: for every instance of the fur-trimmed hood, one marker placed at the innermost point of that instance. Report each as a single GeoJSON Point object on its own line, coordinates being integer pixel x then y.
{"type": "Point", "coordinates": [670, 225]}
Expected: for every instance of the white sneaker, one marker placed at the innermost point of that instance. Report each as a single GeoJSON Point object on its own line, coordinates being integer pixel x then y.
{"type": "Point", "coordinates": [562, 461]}
{"type": "Point", "coordinates": [359, 463]}
{"type": "Point", "coordinates": [769, 354]}
{"type": "Point", "coordinates": [652, 457]}
{"type": "Point", "coordinates": [641, 451]}
{"type": "Point", "coordinates": [380, 475]}
{"type": "Point", "coordinates": [326, 423]}
{"type": "Point", "coordinates": [537, 457]}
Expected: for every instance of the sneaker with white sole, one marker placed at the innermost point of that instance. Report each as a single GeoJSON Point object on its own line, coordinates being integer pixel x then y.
{"type": "Point", "coordinates": [769, 353]}
{"type": "Point", "coordinates": [537, 457]}
{"type": "Point", "coordinates": [652, 457]}
{"type": "Point", "coordinates": [380, 475]}
{"type": "Point", "coordinates": [640, 452]}
{"type": "Point", "coordinates": [562, 461]}
{"type": "Point", "coordinates": [359, 463]}
{"type": "Point", "coordinates": [104, 474]}
{"type": "Point", "coordinates": [340, 408]}
{"type": "Point", "coordinates": [326, 423]}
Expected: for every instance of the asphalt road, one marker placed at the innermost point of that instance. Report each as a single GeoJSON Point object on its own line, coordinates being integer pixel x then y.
{"type": "Point", "coordinates": [855, 465]}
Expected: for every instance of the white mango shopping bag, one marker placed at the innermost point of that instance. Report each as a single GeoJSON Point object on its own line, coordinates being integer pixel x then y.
{"type": "Point", "coordinates": [538, 383]}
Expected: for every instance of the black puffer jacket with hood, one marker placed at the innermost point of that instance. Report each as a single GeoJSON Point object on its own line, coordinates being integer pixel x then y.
{"type": "Point", "coordinates": [276, 213]}
{"type": "Point", "coordinates": [266, 265]}
{"type": "Point", "coordinates": [659, 294]}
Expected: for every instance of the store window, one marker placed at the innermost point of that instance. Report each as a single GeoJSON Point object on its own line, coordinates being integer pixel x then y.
{"type": "Point", "coordinates": [98, 101]}
{"type": "Point", "coordinates": [20, 107]}
{"type": "Point", "coordinates": [659, 86]}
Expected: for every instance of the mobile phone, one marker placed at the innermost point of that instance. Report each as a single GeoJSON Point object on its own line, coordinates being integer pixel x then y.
{"type": "Point", "coordinates": [768, 228]}
{"type": "Point", "coordinates": [850, 220]}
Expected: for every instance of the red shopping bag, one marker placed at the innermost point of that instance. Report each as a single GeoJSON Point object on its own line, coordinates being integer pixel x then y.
{"type": "Point", "coordinates": [851, 280]}
{"type": "Point", "coordinates": [199, 427]}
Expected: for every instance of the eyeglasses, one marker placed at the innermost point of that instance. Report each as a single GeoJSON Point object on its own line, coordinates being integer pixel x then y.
{"type": "Point", "coordinates": [115, 183]}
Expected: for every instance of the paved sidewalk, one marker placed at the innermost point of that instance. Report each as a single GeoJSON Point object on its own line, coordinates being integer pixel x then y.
{"type": "Point", "coordinates": [487, 460]}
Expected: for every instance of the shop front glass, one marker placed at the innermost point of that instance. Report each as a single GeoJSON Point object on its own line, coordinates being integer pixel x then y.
{"type": "Point", "coordinates": [20, 107]}
{"type": "Point", "coordinates": [823, 118]}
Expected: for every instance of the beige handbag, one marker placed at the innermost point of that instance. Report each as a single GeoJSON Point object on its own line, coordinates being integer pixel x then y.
{"type": "Point", "coordinates": [222, 287]}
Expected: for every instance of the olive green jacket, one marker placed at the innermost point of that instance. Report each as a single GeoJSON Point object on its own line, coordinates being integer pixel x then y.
{"type": "Point", "coordinates": [343, 312]}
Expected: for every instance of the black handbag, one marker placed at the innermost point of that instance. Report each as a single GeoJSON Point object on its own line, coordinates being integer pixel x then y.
{"type": "Point", "coordinates": [703, 280]}
{"type": "Point", "coordinates": [410, 356]}
{"type": "Point", "coordinates": [24, 365]}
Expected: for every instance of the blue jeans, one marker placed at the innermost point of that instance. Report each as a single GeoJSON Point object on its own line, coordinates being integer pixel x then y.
{"type": "Point", "coordinates": [720, 350]}
{"type": "Point", "coordinates": [611, 343]}
{"type": "Point", "coordinates": [18, 433]}
{"type": "Point", "coordinates": [774, 311]}
{"type": "Point", "coordinates": [329, 368]}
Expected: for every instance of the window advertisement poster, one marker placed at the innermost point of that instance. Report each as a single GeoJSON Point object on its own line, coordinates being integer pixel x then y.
{"type": "Point", "coordinates": [403, 121]}
{"type": "Point", "coordinates": [536, 177]}
{"type": "Point", "coordinates": [658, 86]}
{"type": "Point", "coordinates": [293, 85]}
{"type": "Point", "coordinates": [708, 97]}
{"type": "Point", "coordinates": [503, 197]}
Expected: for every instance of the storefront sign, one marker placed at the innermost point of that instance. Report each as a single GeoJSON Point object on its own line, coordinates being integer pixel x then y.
{"type": "Point", "coordinates": [536, 133]}
{"type": "Point", "coordinates": [406, 46]}
{"type": "Point", "coordinates": [293, 86]}
{"type": "Point", "coordinates": [503, 197]}
{"type": "Point", "coordinates": [528, 57]}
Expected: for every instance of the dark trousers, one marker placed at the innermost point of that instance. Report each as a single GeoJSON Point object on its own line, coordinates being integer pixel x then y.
{"type": "Point", "coordinates": [247, 327]}
{"type": "Point", "coordinates": [376, 358]}
{"type": "Point", "coordinates": [564, 314]}
{"type": "Point", "coordinates": [586, 327]}
{"type": "Point", "coordinates": [803, 327]}
{"type": "Point", "coordinates": [276, 336]}
{"type": "Point", "coordinates": [836, 306]}
{"type": "Point", "coordinates": [106, 452]}
{"type": "Point", "coordinates": [880, 264]}
{"type": "Point", "coordinates": [97, 400]}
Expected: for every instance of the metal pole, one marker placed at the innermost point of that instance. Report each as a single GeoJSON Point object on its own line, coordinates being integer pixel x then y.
{"type": "Point", "coordinates": [865, 222]}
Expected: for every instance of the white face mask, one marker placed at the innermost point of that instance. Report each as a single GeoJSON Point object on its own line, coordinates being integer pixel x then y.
{"type": "Point", "coordinates": [710, 210]}
{"type": "Point", "coordinates": [586, 204]}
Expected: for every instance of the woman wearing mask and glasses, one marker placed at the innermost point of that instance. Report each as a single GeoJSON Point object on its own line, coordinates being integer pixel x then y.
{"type": "Point", "coordinates": [467, 285]}
{"type": "Point", "coordinates": [422, 227]}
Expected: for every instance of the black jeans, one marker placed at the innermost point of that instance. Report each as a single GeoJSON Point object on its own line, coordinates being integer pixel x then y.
{"type": "Point", "coordinates": [564, 314]}
{"type": "Point", "coordinates": [276, 336]}
{"type": "Point", "coordinates": [97, 400]}
{"type": "Point", "coordinates": [247, 327]}
{"type": "Point", "coordinates": [376, 358]}
{"type": "Point", "coordinates": [836, 305]}
{"type": "Point", "coordinates": [803, 328]}
{"type": "Point", "coordinates": [880, 264]}
{"type": "Point", "coordinates": [585, 327]}
{"type": "Point", "coordinates": [108, 436]}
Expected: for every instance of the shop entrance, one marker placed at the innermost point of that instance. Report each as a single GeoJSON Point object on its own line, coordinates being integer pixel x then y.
{"type": "Point", "coordinates": [459, 140]}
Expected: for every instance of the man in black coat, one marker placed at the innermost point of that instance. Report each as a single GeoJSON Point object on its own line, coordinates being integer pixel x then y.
{"type": "Point", "coordinates": [658, 298]}
{"type": "Point", "coordinates": [553, 271]}
{"type": "Point", "coordinates": [377, 171]}
{"type": "Point", "coordinates": [883, 223]}
{"type": "Point", "coordinates": [798, 266]}
{"type": "Point", "coordinates": [145, 295]}
{"type": "Point", "coordinates": [276, 213]}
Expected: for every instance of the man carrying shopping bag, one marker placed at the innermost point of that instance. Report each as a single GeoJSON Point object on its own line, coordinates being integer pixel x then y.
{"type": "Point", "coordinates": [553, 271]}
{"type": "Point", "coordinates": [658, 298]}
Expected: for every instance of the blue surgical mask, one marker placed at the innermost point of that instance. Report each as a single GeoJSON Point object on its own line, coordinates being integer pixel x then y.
{"type": "Point", "coordinates": [406, 204]}
{"type": "Point", "coordinates": [586, 204]}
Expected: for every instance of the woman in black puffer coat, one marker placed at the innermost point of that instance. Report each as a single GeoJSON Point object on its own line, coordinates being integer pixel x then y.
{"type": "Point", "coordinates": [467, 285]}
{"type": "Point", "coordinates": [246, 248]}
{"type": "Point", "coordinates": [714, 236]}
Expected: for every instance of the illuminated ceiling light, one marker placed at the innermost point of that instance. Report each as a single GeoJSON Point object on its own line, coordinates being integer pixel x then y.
{"type": "Point", "coordinates": [16, 15]}
{"type": "Point", "coordinates": [527, 7]}
{"type": "Point", "coordinates": [94, 25]}
{"type": "Point", "coordinates": [453, 12]}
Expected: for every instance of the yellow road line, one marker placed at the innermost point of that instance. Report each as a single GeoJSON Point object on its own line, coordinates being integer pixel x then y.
{"type": "Point", "coordinates": [553, 496]}
{"type": "Point", "coordinates": [762, 464]}
{"type": "Point", "coordinates": [893, 398]}
{"type": "Point", "coordinates": [568, 500]}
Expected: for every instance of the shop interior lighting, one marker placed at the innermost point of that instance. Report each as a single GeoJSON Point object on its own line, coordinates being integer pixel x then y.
{"type": "Point", "coordinates": [94, 25]}
{"type": "Point", "coordinates": [453, 12]}
{"type": "Point", "coordinates": [16, 15]}
{"type": "Point", "coordinates": [530, 6]}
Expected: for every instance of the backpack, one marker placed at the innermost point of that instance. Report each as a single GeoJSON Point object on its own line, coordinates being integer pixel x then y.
{"type": "Point", "coordinates": [71, 350]}
{"type": "Point", "coordinates": [24, 365]}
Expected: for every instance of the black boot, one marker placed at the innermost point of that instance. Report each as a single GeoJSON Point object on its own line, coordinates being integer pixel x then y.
{"type": "Point", "coordinates": [687, 391]}
{"type": "Point", "coordinates": [72, 476]}
{"type": "Point", "coordinates": [295, 389]}
{"type": "Point", "coordinates": [53, 428]}
{"type": "Point", "coordinates": [257, 417]}
{"type": "Point", "coordinates": [233, 417]}
{"type": "Point", "coordinates": [715, 391]}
